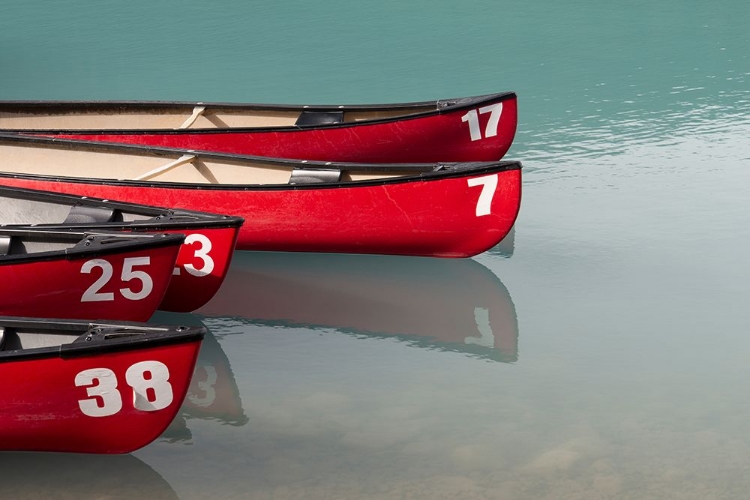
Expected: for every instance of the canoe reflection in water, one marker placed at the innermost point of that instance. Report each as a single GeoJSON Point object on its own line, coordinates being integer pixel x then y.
{"type": "Point", "coordinates": [506, 247]}
{"type": "Point", "coordinates": [81, 476]}
{"type": "Point", "coordinates": [213, 393]}
{"type": "Point", "coordinates": [447, 304]}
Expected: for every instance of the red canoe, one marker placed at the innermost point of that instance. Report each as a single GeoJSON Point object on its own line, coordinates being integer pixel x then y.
{"type": "Point", "coordinates": [453, 305]}
{"type": "Point", "coordinates": [478, 128]}
{"type": "Point", "coordinates": [68, 274]}
{"type": "Point", "coordinates": [433, 209]}
{"type": "Point", "coordinates": [203, 259]}
{"type": "Point", "coordinates": [96, 388]}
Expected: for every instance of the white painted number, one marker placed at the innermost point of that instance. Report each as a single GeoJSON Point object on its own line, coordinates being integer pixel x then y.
{"type": "Point", "coordinates": [495, 110]}
{"type": "Point", "coordinates": [149, 381]}
{"type": "Point", "coordinates": [152, 393]}
{"type": "Point", "coordinates": [101, 387]}
{"type": "Point", "coordinates": [129, 274]}
{"type": "Point", "coordinates": [93, 293]}
{"type": "Point", "coordinates": [488, 183]}
{"type": "Point", "coordinates": [201, 252]}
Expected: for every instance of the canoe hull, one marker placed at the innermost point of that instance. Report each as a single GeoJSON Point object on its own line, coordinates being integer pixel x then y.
{"type": "Point", "coordinates": [456, 216]}
{"type": "Point", "coordinates": [443, 137]}
{"type": "Point", "coordinates": [203, 259]}
{"type": "Point", "coordinates": [201, 266]}
{"type": "Point", "coordinates": [59, 408]}
{"type": "Point", "coordinates": [471, 129]}
{"type": "Point", "coordinates": [127, 285]}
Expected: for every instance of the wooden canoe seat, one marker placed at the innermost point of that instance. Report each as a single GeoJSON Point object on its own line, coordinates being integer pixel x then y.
{"type": "Point", "coordinates": [82, 214]}
{"type": "Point", "coordinates": [314, 176]}
{"type": "Point", "coordinates": [5, 242]}
{"type": "Point", "coordinates": [310, 118]}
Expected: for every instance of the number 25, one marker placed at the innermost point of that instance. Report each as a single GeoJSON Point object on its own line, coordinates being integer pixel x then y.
{"type": "Point", "coordinates": [93, 293]}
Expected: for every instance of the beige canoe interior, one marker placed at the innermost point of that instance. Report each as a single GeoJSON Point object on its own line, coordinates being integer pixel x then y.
{"type": "Point", "coordinates": [55, 159]}
{"type": "Point", "coordinates": [177, 117]}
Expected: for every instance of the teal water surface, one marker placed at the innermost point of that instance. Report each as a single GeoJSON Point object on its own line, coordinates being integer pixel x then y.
{"type": "Point", "coordinates": [601, 352]}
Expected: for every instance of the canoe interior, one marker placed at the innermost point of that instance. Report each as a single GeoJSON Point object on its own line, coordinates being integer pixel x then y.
{"type": "Point", "coordinates": [28, 243]}
{"type": "Point", "coordinates": [17, 210]}
{"type": "Point", "coordinates": [86, 160]}
{"type": "Point", "coordinates": [12, 339]}
{"type": "Point", "coordinates": [15, 243]}
{"type": "Point", "coordinates": [114, 116]}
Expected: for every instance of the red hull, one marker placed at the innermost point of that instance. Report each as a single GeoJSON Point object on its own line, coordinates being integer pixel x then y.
{"type": "Point", "coordinates": [200, 269]}
{"type": "Point", "coordinates": [445, 136]}
{"type": "Point", "coordinates": [112, 402]}
{"type": "Point", "coordinates": [202, 262]}
{"type": "Point", "coordinates": [458, 215]}
{"type": "Point", "coordinates": [127, 285]}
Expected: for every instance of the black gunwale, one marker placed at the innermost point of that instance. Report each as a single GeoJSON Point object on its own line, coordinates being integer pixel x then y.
{"type": "Point", "coordinates": [442, 106]}
{"type": "Point", "coordinates": [127, 242]}
{"type": "Point", "coordinates": [423, 171]}
{"type": "Point", "coordinates": [476, 169]}
{"type": "Point", "coordinates": [171, 219]}
{"type": "Point", "coordinates": [148, 336]}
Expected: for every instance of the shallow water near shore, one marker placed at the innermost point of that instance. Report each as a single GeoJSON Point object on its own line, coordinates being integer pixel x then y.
{"type": "Point", "coordinates": [599, 352]}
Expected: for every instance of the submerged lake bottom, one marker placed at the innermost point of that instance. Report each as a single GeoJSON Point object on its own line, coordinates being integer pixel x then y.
{"type": "Point", "coordinates": [345, 376]}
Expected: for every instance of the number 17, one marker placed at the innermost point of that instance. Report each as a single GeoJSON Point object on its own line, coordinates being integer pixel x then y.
{"type": "Point", "coordinates": [490, 130]}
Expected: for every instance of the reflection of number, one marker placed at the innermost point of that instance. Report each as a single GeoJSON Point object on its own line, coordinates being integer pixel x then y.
{"type": "Point", "coordinates": [207, 387]}
{"type": "Point", "coordinates": [202, 254]}
{"type": "Point", "coordinates": [93, 294]}
{"type": "Point", "coordinates": [488, 183]}
{"type": "Point", "coordinates": [482, 319]}
{"type": "Point", "coordinates": [150, 393]}
{"type": "Point", "coordinates": [105, 390]}
{"type": "Point", "coordinates": [490, 130]}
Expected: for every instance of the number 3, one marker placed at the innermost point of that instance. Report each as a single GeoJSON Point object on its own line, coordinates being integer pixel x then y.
{"type": "Point", "coordinates": [201, 253]}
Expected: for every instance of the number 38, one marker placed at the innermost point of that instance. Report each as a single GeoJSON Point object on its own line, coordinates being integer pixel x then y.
{"type": "Point", "coordinates": [148, 380]}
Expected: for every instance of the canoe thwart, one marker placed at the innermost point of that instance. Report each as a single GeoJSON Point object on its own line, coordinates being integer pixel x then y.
{"type": "Point", "coordinates": [197, 111]}
{"type": "Point", "coordinates": [317, 176]}
{"type": "Point", "coordinates": [165, 168]}
{"type": "Point", "coordinates": [308, 118]}
{"type": "Point", "coordinates": [81, 214]}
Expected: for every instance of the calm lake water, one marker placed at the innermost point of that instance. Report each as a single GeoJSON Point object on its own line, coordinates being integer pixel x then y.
{"type": "Point", "coordinates": [601, 352]}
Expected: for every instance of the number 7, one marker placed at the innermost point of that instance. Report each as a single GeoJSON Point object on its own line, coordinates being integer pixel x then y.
{"type": "Point", "coordinates": [488, 183]}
